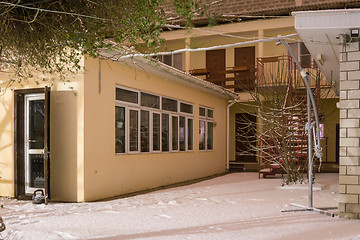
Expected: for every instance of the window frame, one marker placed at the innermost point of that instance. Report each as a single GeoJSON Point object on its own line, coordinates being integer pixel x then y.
{"type": "Point", "coordinates": [188, 114]}
{"type": "Point", "coordinates": [129, 103]}
{"type": "Point", "coordinates": [152, 132]}
{"type": "Point", "coordinates": [169, 111]}
{"type": "Point", "coordinates": [149, 134]}
{"type": "Point", "coordinates": [125, 130]}
{"type": "Point", "coordinates": [207, 120]}
{"type": "Point", "coordinates": [171, 133]}
{"type": "Point", "coordinates": [187, 134]}
{"type": "Point", "coordinates": [138, 131]}
{"type": "Point", "coordinates": [130, 106]}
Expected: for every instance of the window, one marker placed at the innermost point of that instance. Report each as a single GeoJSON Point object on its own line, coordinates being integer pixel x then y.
{"type": "Point", "coordinates": [149, 100]}
{"type": "Point", "coordinates": [190, 133]}
{"type": "Point", "coordinates": [206, 129]}
{"type": "Point", "coordinates": [210, 113]}
{"type": "Point", "coordinates": [145, 131]}
{"type": "Point", "coordinates": [156, 132]}
{"type": "Point", "coordinates": [175, 133]}
{"type": "Point", "coordinates": [182, 133]}
{"type": "Point", "coordinates": [169, 104]}
{"type": "Point", "coordinates": [146, 123]}
{"type": "Point", "coordinates": [210, 130]}
{"type": "Point", "coordinates": [165, 132]}
{"type": "Point", "coordinates": [174, 60]}
{"type": "Point", "coordinates": [119, 129]}
{"type": "Point", "coordinates": [186, 108]}
{"type": "Point", "coordinates": [126, 95]}
{"type": "Point", "coordinates": [202, 112]}
{"type": "Point", "coordinates": [134, 130]}
{"type": "Point", "coordinates": [303, 55]}
{"type": "Point", "coordinates": [202, 135]}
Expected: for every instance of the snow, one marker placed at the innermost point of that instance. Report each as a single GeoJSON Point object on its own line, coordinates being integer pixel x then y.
{"type": "Point", "coordinates": [233, 206]}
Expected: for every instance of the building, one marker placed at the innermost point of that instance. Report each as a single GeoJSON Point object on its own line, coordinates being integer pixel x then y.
{"type": "Point", "coordinates": [241, 52]}
{"type": "Point", "coordinates": [231, 54]}
{"type": "Point", "coordinates": [155, 140]}
{"type": "Point", "coordinates": [116, 128]}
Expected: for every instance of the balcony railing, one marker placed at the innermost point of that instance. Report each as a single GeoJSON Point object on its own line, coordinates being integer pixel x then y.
{"type": "Point", "coordinates": [282, 71]}
{"type": "Point", "coordinates": [275, 71]}
{"type": "Point", "coordinates": [235, 78]}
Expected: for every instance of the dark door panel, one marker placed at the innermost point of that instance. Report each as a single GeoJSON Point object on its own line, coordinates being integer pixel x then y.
{"type": "Point", "coordinates": [215, 65]}
{"type": "Point", "coordinates": [244, 62]}
{"type": "Point", "coordinates": [245, 138]}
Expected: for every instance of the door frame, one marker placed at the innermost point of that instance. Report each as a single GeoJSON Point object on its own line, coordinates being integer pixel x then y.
{"type": "Point", "coordinates": [19, 147]}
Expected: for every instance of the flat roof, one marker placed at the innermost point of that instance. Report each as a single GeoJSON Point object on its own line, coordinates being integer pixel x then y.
{"type": "Point", "coordinates": [320, 30]}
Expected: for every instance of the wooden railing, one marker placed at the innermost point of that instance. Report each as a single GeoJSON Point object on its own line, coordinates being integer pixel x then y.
{"type": "Point", "coordinates": [274, 71]}
{"type": "Point", "coordinates": [235, 78]}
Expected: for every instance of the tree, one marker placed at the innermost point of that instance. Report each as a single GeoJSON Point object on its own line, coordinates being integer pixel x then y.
{"type": "Point", "coordinates": [279, 104]}
{"type": "Point", "coordinates": [51, 36]}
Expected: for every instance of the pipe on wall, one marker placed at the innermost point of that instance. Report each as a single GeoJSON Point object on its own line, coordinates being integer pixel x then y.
{"type": "Point", "coordinates": [228, 133]}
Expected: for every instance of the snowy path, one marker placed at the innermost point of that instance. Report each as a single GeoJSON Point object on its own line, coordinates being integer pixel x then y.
{"type": "Point", "coordinates": [234, 206]}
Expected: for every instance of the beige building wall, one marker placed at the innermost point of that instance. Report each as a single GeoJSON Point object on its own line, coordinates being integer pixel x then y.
{"type": "Point", "coordinates": [108, 174]}
{"type": "Point", "coordinates": [67, 140]}
{"type": "Point", "coordinates": [6, 140]}
{"type": "Point", "coordinates": [328, 109]}
{"type": "Point", "coordinates": [219, 35]}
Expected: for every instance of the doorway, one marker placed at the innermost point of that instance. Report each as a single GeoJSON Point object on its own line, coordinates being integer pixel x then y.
{"type": "Point", "coordinates": [215, 65]}
{"type": "Point", "coordinates": [244, 62]}
{"type": "Point", "coordinates": [245, 138]}
{"type": "Point", "coordinates": [32, 163]}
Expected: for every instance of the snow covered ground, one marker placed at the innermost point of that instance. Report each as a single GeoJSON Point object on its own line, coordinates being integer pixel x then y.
{"type": "Point", "coordinates": [233, 206]}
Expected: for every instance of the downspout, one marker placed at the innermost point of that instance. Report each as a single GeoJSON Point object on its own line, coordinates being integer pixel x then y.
{"type": "Point", "coordinates": [228, 133]}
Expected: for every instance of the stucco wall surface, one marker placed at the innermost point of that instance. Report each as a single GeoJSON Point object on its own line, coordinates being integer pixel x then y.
{"type": "Point", "coordinates": [108, 174]}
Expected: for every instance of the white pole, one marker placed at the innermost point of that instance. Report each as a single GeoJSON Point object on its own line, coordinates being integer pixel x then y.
{"type": "Point", "coordinates": [310, 202]}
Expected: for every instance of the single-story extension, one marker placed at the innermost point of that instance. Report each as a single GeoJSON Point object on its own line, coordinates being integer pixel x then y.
{"type": "Point", "coordinates": [120, 126]}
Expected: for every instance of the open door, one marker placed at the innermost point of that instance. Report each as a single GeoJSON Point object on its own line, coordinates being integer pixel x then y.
{"type": "Point", "coordinates": [32, 163]}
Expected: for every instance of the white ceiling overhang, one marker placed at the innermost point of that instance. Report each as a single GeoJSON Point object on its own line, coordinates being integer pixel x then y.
{"type": "Point", "coordinates": [320, 31]}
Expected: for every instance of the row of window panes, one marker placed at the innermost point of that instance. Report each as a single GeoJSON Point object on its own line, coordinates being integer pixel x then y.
{"type": "Point", "coordinates": [152, 101]}
{"type": "Point", "coordinates": [151, 131]}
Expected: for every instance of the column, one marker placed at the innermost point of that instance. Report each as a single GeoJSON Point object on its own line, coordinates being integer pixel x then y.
{"type": "Point", "coordinates": [349, 169]}
{"type": "Point", "coordinates": [187, 54]}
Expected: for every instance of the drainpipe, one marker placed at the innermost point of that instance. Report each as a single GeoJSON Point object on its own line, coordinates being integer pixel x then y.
{"type": "Point", "coordinates": [228, 133]}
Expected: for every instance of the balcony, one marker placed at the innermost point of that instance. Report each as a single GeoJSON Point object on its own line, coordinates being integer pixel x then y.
{"type": "Point", "coordinates": [269, 72]}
